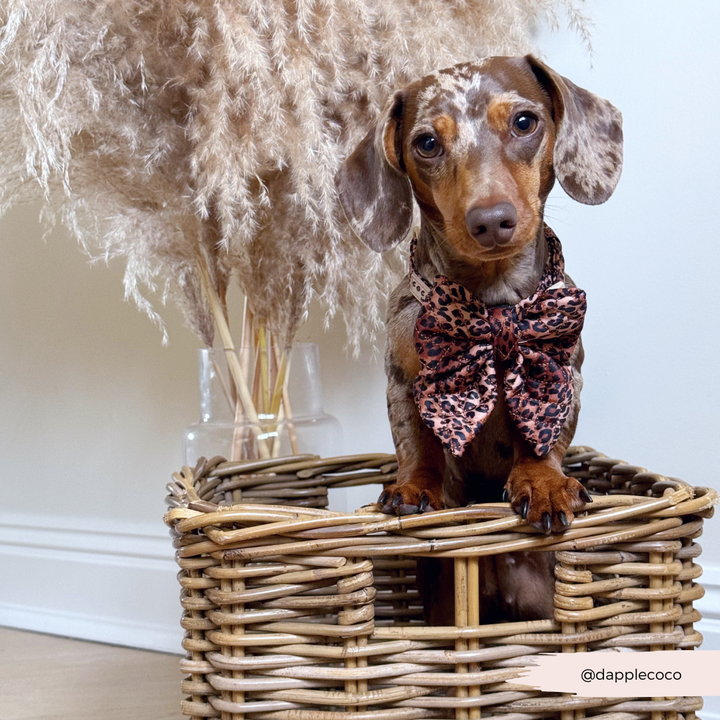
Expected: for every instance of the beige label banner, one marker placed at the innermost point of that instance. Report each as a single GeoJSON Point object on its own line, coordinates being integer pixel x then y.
{"type": "Point", "coordinates": [669, 673]}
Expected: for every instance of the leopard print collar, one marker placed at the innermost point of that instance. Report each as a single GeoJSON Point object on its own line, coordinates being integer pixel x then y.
{"type": "Point", "coordinates": [459, 341]}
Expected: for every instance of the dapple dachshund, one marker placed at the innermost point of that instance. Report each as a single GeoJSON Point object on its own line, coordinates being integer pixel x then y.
{"type": "Point", "coordinates": [484, 387]}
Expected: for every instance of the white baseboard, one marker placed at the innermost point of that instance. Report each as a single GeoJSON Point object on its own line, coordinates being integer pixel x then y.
{"type": "Point", "coordinates": [86, 535]}
{"type": "Point", "coordinates": [108, 582]}
{"type": "Point", "coordinates": [98, 628]}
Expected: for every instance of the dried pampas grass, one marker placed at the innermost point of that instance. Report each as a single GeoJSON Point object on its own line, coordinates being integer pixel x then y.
{"type": "Point", "coordinates": [159, 129]}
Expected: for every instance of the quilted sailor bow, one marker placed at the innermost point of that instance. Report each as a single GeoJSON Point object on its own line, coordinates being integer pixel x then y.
{"type": "Point", "coordinates": [459, 341]}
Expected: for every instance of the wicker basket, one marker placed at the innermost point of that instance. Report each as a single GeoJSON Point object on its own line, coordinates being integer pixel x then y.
{"type": "Point", "coordinates": [293, 612]}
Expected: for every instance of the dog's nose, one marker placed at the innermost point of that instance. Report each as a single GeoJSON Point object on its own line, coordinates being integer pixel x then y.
{"type": "Point", "coordinates": [493, 224]}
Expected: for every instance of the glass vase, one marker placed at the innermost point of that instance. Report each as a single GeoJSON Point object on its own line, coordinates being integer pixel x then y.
{"type": "Point", "coordinates": [300, 426]}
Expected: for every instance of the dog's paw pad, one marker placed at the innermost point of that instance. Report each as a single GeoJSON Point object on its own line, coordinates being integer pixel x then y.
{"type": "Point", "coordinates": [407, 499]}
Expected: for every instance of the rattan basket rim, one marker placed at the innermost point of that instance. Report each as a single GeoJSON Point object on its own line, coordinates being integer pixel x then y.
{"type": "Point", "coordinates": [254, 531]}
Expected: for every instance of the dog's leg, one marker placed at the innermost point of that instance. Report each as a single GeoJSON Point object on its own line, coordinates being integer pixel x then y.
{"type": "Point", "coordinates": [540, 492]}
{"type": "Point", "coordinates": [537, 487]}
{"type": "Point", "coordinates": [421, 460]}
{"type": "Point", "coordinates": [526, 584]}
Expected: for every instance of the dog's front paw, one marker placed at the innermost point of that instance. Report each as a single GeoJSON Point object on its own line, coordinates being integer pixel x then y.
{"type": "Point", "coordinates": [545, 497]}
{"type": "Point", "coordinates": [408, 498]}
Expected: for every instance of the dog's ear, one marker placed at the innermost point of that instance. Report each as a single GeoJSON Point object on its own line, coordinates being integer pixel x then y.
{"type": "Point", "coordinates": [589, 142]}
{"type": "Point", "coordinates": [374, 190]}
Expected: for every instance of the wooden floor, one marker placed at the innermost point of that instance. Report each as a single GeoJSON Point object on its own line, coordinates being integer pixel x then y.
{"type": "Point", "coordinates": [43, 677]}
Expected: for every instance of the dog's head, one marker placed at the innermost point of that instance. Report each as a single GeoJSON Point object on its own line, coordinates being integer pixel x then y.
{"type": "Point", "coordinates": [480, 145]}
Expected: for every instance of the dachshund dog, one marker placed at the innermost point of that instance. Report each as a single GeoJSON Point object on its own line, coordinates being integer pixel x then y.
{"type": "Point", "coordinates": [479, 146]}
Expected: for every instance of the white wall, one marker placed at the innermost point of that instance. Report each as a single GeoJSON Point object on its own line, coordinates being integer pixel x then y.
{"type": "Point", "coordinates": [92, 406]}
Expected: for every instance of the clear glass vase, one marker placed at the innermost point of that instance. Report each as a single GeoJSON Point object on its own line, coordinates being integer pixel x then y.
{"type": "Point", "coordinates": [301, 425]}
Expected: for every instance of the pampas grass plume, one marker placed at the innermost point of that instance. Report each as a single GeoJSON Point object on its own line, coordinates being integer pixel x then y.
{"type": "Point", "coordinates": [158, 129]}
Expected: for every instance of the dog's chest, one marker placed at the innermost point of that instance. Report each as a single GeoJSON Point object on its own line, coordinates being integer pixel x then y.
{"type": "Point", "coordinates": [478, 476]}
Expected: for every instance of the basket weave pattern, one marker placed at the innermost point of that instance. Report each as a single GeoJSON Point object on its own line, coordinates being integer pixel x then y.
{"type": "Point", "coordinates": [293, 612]}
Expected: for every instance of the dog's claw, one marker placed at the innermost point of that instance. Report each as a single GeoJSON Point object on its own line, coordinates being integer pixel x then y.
{"type": "Point", "coordinates": [563, 519]}
{"type": "Point", "coordinates": [546, 521]}
{"type": "Point", "coordinates": [583, 495]}
{"type": "Point", "coordinates": [524, 508]}
{"type": "Point", "coordinates": [506, 495]}
{"type": "Point", "coordinates": [407, 499]}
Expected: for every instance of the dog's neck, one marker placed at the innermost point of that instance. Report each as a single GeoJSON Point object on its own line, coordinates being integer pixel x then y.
{"type": "Point", "coordinates": [496, 282]}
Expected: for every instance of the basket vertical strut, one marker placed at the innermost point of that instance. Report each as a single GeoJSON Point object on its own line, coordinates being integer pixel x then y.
{"type": "Point", "coordinates": [689, 592]}
{"type": "Point", "coordinates": [351, 686]}
{"type": "Point", "coordinates": [575, 573]}
{"type": "Point", "coordinates": [661, 605]}
{"type": "Point", "coordinates": [473, 594]}
{"type": "Point", "coordinates": [238, 586]}
{"type": "Point", "coordinates": [226, 587]}
{"type": "Point", "coordinates": [461, 620]}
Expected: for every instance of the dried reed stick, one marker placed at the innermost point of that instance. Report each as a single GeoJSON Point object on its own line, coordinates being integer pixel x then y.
{"type": "Point", "coordinates": [280, 380]}
{"type": "Point", "coordinates": [286, 402]}
{"type": "Point", "coordinates": [289, 419]}
{"type": "Point", "coordinates": [276, 443]}
{"type": "Point", "coordinates": [264, 369]}
{"type": "Point", "coordinates": [231, 354]}
{"type": "Point", "coordinates": [280, 367]}
{"type": "Point", "coordinates": [248, 324]}
{"type": "Point", "coordinates": [227, 390]}
{"type": "Point", "coordinates": [239, 450]}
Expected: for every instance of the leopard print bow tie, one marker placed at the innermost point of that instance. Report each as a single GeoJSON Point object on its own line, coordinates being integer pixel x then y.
{"type": "Point", "coordinates": [459, 340]}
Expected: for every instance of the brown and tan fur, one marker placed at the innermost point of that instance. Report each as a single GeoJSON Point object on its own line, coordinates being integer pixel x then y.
{"type": "Point", "coordinates": [484, 161]}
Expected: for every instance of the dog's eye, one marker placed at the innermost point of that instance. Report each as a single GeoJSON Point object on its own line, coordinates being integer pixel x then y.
{"type": "Point", "coordinates": [427, 146]}
{"type": "Point", "coordinates": [525, 124]}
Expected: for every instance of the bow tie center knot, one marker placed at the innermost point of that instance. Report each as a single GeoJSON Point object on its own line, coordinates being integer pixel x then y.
{"type": "Point", "coordinates": [503, 321]}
